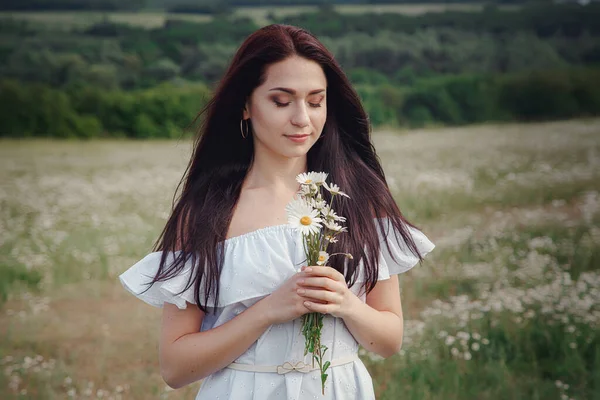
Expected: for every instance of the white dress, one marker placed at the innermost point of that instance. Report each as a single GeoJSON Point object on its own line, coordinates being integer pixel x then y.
{"type": "Point", "coordinates": [255, 264]}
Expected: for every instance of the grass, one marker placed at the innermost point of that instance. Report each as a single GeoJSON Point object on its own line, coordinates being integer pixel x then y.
{"type": "Point", "coordinates": [506, 306]}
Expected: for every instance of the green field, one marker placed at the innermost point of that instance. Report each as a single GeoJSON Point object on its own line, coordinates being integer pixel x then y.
{"type": "Point", "coordinates": [506, 307]}
{"type": "Point", "coordinates": [153, 19]}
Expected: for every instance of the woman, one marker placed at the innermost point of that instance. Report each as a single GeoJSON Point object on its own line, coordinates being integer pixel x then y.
{"type": "Point", "coordinates": [225, 268]}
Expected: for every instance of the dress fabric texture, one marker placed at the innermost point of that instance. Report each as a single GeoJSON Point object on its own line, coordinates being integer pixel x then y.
{"type": "Point", "coordinates": [255, 265]}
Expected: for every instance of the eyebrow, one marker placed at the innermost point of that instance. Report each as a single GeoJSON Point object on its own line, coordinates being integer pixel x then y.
{"type": "Point", "coordinates": [293, 92]}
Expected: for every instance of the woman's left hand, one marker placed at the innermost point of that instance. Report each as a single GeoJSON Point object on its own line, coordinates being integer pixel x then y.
{"type": "Point", "coordinates": [328, 286]}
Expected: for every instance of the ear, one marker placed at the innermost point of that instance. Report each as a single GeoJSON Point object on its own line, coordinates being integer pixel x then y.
{"type": "Point", "coordinates": [246, 113]}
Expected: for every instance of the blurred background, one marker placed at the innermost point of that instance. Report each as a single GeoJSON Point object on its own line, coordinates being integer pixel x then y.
{"type": "Point", "coordinates": [142, 68]}
{"type": "Point", "coordinates": [484, 114]}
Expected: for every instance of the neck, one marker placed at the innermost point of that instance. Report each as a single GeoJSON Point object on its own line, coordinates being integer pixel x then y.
{"type": "Point", "coordinates": [274, 172]}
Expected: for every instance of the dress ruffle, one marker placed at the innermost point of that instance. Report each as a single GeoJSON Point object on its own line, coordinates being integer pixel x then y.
{"type": "Point", "coordinates": [137, 277]}
{"type": "Point", "coordinates": [255, 264]}
{"type": "Point", "coordinates": [404, 258]}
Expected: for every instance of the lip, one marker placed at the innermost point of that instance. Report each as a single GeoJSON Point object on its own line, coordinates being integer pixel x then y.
{"type": "Point", "coordinates": [297, 138]}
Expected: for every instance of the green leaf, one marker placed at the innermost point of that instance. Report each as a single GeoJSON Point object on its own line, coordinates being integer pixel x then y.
{"type": "Point", "coordinates": [326, 365]}
{"type": "Point", "coordinates": [323, 378]}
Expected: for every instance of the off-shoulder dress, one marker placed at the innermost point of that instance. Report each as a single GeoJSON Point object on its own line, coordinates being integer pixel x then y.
{"type": "Point", "coordinates": [255, 264]}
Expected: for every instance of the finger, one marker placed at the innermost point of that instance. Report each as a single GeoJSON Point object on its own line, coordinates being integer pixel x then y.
{"type": "Point", "coordinates": [324, 295]}
{"type": "Point", "coordinates": [320, 282]}
{"type": "Point", "coordinates": [317, 270]}
{"type": "Point", "coordinates": [321, 308]}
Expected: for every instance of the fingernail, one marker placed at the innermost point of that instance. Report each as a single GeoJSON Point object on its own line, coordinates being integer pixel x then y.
{"type": "Point", "coordinates": [302, 269]}
{"type": "Point", "coordinates": [307, 304]}
{"type": "Point", "coordinates": [301, 291]}
{"type": "Point", "coordinates": [308, 269]}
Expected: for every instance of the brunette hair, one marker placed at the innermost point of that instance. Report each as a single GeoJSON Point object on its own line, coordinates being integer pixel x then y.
{"type": "Point", "coordinates": [221, 158]}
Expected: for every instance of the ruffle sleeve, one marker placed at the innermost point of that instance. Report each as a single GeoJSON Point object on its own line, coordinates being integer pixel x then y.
{"type": "Point", "coordinates": [403, 259]}
{"type": "Point", "coordinates": [136, 279]}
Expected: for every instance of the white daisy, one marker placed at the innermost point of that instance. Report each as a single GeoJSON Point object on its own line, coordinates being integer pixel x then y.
{"type": "Point", "coordinates": [302, 216]}
{"type": "Point", "coordinates": [334, 226]}
{"type": "Point", "coordinates": [319, 177]}
{"type": "Point", "coordinates": [334, 189]}
{"type": "Point", "coordinates": [330, 238]}
{"type": "Point", "coordinates": [319, 204]}
{"type": "Point", "coordinates": [328, 213]}
{"type": "Point", "coordinates": [307, 178]}
{"type": "Point", "coordinates": [323, 257]}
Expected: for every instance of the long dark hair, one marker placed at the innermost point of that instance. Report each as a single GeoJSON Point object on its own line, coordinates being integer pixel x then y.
{"type": "Point", "coordinates": [221, 158]}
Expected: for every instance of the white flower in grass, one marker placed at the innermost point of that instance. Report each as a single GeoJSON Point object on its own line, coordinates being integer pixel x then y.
{"type": "Point", "coordinates": [323, 257]}
{"type": "Point", "coordinates": [302, 216]}
{"type": "Point", "coordinates": [334, 189]}
{"type": "Point", "coordinates": [467, 356]}
{"type": "Point", "coordinates": [334, 227]}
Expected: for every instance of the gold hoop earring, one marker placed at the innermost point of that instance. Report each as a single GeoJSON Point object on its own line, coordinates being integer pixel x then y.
{"type": "Point", "coordinates": [242, 129]}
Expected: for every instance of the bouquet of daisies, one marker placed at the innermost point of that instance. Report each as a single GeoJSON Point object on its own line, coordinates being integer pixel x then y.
{"type": "Point", "coordinates": [319, 225]}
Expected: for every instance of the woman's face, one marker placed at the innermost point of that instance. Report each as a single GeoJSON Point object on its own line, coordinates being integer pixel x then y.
{"type": "Point", "coordinates": [288, 111]}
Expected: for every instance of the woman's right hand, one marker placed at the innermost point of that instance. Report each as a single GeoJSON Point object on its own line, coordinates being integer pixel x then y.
{"type": "Point", "coordinates": [285, 304]}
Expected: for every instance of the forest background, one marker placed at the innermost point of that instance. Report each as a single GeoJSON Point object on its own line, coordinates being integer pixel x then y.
{"type": "Point", "coordinates": [144, 68]}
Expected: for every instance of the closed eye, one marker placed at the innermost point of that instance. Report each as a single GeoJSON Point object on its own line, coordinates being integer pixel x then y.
{"type": "Point", "coordinates": [313, 105]}
{"type": "Point", "coordinates": [281, 104]}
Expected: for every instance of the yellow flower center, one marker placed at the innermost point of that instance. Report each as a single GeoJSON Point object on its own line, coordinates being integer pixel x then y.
{"type": "Point", "coordinates": [321, 258]}
{"type": "Point", "coordinates": [309, 181]}
{"type": "Point", "coordinates": [305, 220]}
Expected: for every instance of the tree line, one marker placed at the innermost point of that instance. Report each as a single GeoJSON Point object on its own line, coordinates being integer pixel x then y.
{"type": "Point", "coordinates": [117, 80]}
{"type": "Point", "coordinates": [208, 6]}
{"type": "Point", "coordinates": [163, 112]}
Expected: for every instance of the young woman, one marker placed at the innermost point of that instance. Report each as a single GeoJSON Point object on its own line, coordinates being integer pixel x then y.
{"type": "Point", "coordinates": [226, 266]}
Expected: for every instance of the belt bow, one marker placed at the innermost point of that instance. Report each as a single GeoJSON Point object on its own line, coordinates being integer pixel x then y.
{"type": "Point", "coordinates": [289, 367]}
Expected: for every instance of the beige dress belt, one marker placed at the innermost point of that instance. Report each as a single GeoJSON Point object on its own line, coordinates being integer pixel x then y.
{"type": "Point", "coordinates": [288, 366]}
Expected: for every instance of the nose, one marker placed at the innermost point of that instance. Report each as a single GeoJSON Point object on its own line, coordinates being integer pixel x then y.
{"type": "Point", "coordinates": [300, 117]}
